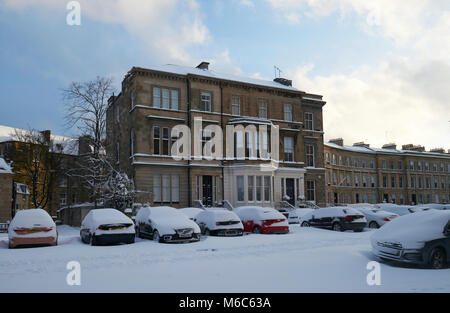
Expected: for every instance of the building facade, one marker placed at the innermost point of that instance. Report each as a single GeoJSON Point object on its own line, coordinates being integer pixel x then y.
{"type": "Point", "coordinates": [6, 188]}
{"type": "Point", "coordinates": [363, 174]}
{"type": "Point", "coordinates": [143, 126]}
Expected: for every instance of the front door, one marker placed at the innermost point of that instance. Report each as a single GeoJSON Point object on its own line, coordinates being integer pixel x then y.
{"type": "Point", "coordinates": [207, 191]}
{"type": "Point", "coordinates": [290, 190]}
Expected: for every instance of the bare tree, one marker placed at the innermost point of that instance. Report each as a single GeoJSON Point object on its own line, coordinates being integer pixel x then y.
{"type": "Point", "coordinates": [86, 106]}
{"type": "Point", "coordinates": [38, 164]}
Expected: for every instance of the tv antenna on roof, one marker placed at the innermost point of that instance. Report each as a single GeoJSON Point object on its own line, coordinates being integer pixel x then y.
{"type": "Point", "coordinates": [277, 70]}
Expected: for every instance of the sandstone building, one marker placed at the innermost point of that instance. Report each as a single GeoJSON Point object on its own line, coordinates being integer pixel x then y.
{"type": "Point", "coordinates": [363, 174]}
{"type": "Point", "coordinates": [6, 187]}
{"type": "Point", "coordinates": [153, 101]}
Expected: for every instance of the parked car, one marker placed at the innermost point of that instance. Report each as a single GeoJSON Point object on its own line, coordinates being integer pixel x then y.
{"type": "Point", "coordinates": [335, 218]}
{"type": "Point", "coordinates": [191, 213]}
{"type": "Point", "coordinates": [376, 217]}
{"type": "Point", "coordinates": [296, 214]}
{"type": "Point", "coordinates": [166, 224]}
{"type": "Point", "coordinates": [33, 227]}
{"type": "Point", "coordinates": [436, 206]}
{"type": "Point", "coordinates": [107, 226]}
{"type": "Point", "coordinates": [262, 220]}
{"type": "Point", "coordinates": [421, 238]}
{"type": "Point", "coordinates": [219, 222]}
{"type": "Point", "coordinates": [397, 209]}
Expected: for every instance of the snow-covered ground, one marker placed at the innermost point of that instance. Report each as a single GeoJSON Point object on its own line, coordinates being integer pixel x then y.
{"type": "Point", "coordinates": [306, 260]}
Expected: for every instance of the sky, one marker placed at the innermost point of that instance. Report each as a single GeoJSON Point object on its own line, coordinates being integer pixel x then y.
{"type": "Point", "coordinates": [382, 66]}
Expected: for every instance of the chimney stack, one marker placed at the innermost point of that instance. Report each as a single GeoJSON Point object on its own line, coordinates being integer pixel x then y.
{"type": "Point", "coordinates": [283, 81]}
{"type": "Point", "coordinates": [390, 146]}
{"type": "Point", "coordinates": [361, 144]}
{"type": "Point", "coordinates": [337, 141]}
{"type": "Point", "coordinates": [203, 66]}
{"type": "Point", "coordinates": [438, 150]}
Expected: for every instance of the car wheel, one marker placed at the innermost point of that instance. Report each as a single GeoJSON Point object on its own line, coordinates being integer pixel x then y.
{"type": "Point", "coordinates": [305, 224]}
{"type": "Point", "coordinates": [156, 236]}
{"type": "Point", "coordinates": [374, 225]}
{"type": "Point", "coordinates": [337, 227]}
{"type": "Point", "coordinates": [257, 230]}
{"type": "Point", "coordinates": [437, 259]}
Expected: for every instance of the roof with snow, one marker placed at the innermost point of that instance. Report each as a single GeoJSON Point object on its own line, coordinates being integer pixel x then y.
{"type": "Point", "coordinates": [365, 149]}
{"type": "Point", "coordinates": [187, 70]}
{"type": "Point", "coordinates": [62, 144]}
{"type": "Point", "coordinates": [4, 167]}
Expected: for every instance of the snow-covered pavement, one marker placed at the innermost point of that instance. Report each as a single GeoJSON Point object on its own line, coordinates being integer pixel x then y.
{"type": "Point", "coordinates": [306, 260]}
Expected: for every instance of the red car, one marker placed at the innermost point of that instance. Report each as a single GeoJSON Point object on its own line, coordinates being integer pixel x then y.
{"type": "Point", "coordinates": [260, 220]}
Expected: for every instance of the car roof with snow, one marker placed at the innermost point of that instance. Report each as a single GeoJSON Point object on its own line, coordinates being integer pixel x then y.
{"type": "Point", "coordinates": [109, 216]}
{"type": "Point", "coordinates": [31, 217]}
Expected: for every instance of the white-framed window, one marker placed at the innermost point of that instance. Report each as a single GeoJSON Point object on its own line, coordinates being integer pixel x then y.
{"type": "Point", "coordinates": [165, 98]}
{"type": "Point", "coordinates": [240, 188]}
{"type": "Point", "coordinates": [156, 188]}
{"type": "Point", "coordinates": [174, 99]}
{"type": "Point", "coordinates": [206, 101]}
{"type": "Point", "coordinates": [156, 140]}
{"type": "Point", "coordinates": [288, 149]}
{"type": "Point", "coordinates": [156, 97]}
{"type": "Point", "coordinates": [251, 188]}
{"type": "Point", "coordinates": [310, 190]}
{"type": "Point", "coordinates": [288, 112]}
{"type": "Point", "coordinates": [259, 187]}
{"type": "Point", "coordinates": [166, 188]}
{"type": "Point", "coordinates": [310, 160]}
{"type": "Point", "coordinates": [267, 187]}
{"type": "Point", "coordinates": [262, 108]}
{"type": "Point", "coordinates": [236, 105]}
{"type": "Point", "coordinates": [165, 141]}
{"type": "Point", "coordinates": [309, 121]}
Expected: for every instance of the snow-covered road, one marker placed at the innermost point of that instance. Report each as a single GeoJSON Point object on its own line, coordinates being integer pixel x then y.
{"type": "Point", "coordinates": [306, 260]}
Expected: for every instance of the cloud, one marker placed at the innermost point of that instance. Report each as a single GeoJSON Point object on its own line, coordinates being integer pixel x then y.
{"type": "Point", "coordinates": [170, 27]}
{"type": "Point", "coordinates": [247, 3]}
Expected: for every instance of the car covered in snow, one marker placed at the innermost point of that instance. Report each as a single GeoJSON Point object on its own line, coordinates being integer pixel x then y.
{"type": "Point", "coordinates": [262, 220]}
{"type": "Point", "coordinates": [219, 222]}
{"type": "Point", "coordinates": [191, 213]}
{"type": "Point", "coordinates": [166, 224]}
{"type": "Point", "coordinates": [107, 226]}
{"type": "Point", "coordinates": [397, 209]}
{"type": "Point", "coordinates": [295, 215]}
{"type": "Point", "coordinates": [335, 218]}
{"type": "Point", "coordinates": [422, 238]}
{"type": "Point", "coordinates": [33, 227]}
{"type": "Point", "coordinates": [376, 217]}
{"type": "Point", "coordinates": [436, 206]}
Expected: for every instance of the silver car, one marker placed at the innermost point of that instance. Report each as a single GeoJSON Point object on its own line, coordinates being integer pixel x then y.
{"type": "Point", "coordinates": [376, 217]}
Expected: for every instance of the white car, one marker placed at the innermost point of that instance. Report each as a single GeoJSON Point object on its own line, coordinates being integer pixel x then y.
{"type": "Point", "coordinates": [166, 224]}
{"type": "Point", "coordinates": [435, 206]}
{"type": "Point", "coordinates": [32, 227]}
{"type": "Point", "coordinates": [191, 213]}
{"type": "Point", "coordinates": [295, 215]}
{"type": "Point", "coordinates": [376, 217]}
{"type": "Point", "coordinates": [219, 222]}
{"type": "Point", "coordinates": [395, 208]}
{"type": "Point", "coordinates": [262, 220]}
{"type": "Point", "coordinates": [421, 238]}
{"type": "Point", "coordinates": [335, 218]}
{"type": "Point", "coordinates": [107, 226]}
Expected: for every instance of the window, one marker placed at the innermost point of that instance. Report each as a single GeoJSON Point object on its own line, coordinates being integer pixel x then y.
{"type": "Point", "coordinates": [327, 158]}
{"type": "Point", "coordinates": [288, 112]}
{"type": "Point", "coordinates": [383, 164]}
{"type": "Point", "coordinates": [235, 105]}
{"type": "Point", "coordinates": [288, 149]}
{"type": "Point", "coordinates": [400, 182]}
{"type": "Point", "coordinates": [174, 99]}
{"type": "Point", "coordinates": [156, 97]}
{"type": "Point", "coordinates": [165, 141]}
{"type": "Point", "coordinates": [384, 181]}
{"type": "Point", "coordinates": [175, 192]}
{"type": "Point", "coordinates": [393, 182]}
{"type": "Point", "coordinates": [62, 199]}
{"type": "Point", "coordinates": [372, 181]}
{"type": "Point", "coordinates": [262, 107]}
{"type": "Point", "coordinates": [251, 188]}
{"type": "Point", "coordinates": [310, 156]}
{"type": "Point", "coordinates": [240, 188]}
{"type": "Point", "coordinates": [156, 140]}
{"type": "Point", "coordinates": [356, 180]}
{"type": "Point", "coordinates": [259, 188]}
{"type": "Point", "coordinates": [165, 99]}
{"type": "Point", "coordinates": [156, 188]}
{"type": "Point", "coordinates": [206, 101]}
{"type": "Point", "coordinates": [309, 121]}
{"type": "Point", "coordinates": [310, 190]}
{"type": "Point", "coordinates": [166, 188]}
{"type": "Point", "coordinates": [267, 184]}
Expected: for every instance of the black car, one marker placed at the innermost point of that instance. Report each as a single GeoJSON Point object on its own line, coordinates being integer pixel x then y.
{"type": "Point", "coordinates": [421, 238]}
{"type": "Point", "coordinates": [335, 218]}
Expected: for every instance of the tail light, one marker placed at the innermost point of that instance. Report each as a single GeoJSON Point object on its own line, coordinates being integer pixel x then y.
{"type": "Point", "coordinates": [103, 227]}
{"type": "Point", "coordinates": [348, 218]}
{"type": "Point", "coordinates": [23, 230]}
{"type": "Point", "coordinates": [269, 222]}
{"type": "Point", "coordinates": [386, 219]}
{"type": "Point", "coordinates": [20, 230]}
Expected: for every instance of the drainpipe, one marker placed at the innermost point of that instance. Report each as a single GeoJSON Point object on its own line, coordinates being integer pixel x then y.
{"type": "Point", "coordinates": [221, 125]}
{"type": "Point", "coordinates": [188, 94]}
